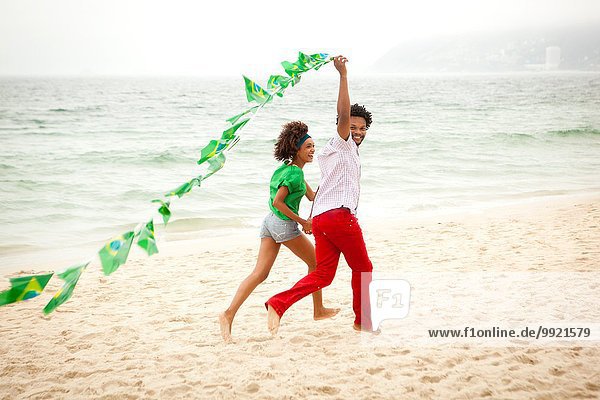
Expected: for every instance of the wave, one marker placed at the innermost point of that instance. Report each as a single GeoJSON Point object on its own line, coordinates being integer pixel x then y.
{"type": "Point", "coordinates": [192, 107]}
{"type": "Point", "coordinates": [139, 193]}
{"type": "Point", "coordinates": [13, 128]}
{"type": "Point", "coordinates": [8, 248]}
{"type": "Point", "coordinates": [519, 136]}
{"type": "Point", "coordinates": [201, 224]}
{"type": "Point", "coordinates": [77, 109]}
{"type": "Point", "coordinates": [575, 132]}
{"type": "Point", "coordinates": [166, 157]}
{"type": "Point", "coordinates": [28, 183]}
{"type": "Point", "coordinates": [42, 131]}
{"type": "Point", "coordinates": [585, 131]}
{"type": "Point", "coordinates": [188, 225]}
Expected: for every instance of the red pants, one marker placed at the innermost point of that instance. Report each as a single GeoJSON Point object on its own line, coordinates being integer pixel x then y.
{"type": "Point", "coordinates": [336, 231]}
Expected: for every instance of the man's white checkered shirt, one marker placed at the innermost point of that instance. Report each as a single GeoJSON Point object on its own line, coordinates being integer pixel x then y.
{"type": "Point", "coordinates": [340, 176]}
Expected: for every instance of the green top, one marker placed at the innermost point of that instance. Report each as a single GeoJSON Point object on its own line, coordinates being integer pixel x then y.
{"type": "Point", "coordinates": [291, 176]}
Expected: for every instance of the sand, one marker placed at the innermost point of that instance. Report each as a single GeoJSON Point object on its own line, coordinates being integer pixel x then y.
{"type": "Point", "coordinates": [150, 330]}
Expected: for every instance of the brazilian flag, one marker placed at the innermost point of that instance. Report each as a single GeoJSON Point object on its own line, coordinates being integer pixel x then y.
{"type": "Point", "coordinates": [320, 59]}
{"type": "Point", "coordinates": [164, 210]}
{"type": "Point", "coordinates": [208, 151]}
{"type": "Point", "coordinates": [279, 83]}
{"type": "Point", "coordinates": [184, 188]}
{"type": "Point", "coordinates": [115, 252]}
{"type": "Point", "coordinates": [71, 277]}
{"type": "Point", "coordinates": [24, 288]}
{"type": "Point", "coordinates": [215, 164]}
{"type": "Point", "coordinates": [229, 133]}
{"type": "Point", "coordinates": [304, 63]}
{"type": "Point", "coordinates": [146, 239]}
{"type": "Point", "coordinates": [235, 118]}
{"type": "Point", "coordinates": [256, 93]}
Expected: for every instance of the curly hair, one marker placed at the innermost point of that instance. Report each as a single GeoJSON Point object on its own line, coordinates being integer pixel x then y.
{"type": "Point", "coordinates": [359, 111]}
{"type": "Point", "coordinates": [285, 147]}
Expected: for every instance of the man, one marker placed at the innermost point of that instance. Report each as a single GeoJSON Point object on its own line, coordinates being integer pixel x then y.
{"type": "Point", "coordinates": [334, 222]}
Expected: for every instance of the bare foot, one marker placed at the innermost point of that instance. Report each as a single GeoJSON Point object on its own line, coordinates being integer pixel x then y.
{"type": "Point", "coordinates": [325, 313]}
{"type": "Point", "coordinates": [272, 320]}
{"type": "Point", "coordinates": [360, 329]}
{"type": "Point", "coordinates": [225, 325]}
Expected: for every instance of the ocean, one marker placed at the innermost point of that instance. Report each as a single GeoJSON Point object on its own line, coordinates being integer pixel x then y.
{"type": "Point", "coordinates": [81, 158]}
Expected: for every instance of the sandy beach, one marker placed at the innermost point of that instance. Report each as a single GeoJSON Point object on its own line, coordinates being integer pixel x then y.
{"type": "Point", "coordinates": [150, 330]}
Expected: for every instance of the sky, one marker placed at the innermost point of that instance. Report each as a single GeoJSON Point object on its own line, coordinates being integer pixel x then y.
{"type": "Point", "coordinates": [221, 38]}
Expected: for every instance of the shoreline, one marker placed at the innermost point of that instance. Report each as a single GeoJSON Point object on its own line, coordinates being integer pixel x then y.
{"type": "Point", "coordinates": [497, 208]}
{"type": "Point", "coordinates": [172, 244]}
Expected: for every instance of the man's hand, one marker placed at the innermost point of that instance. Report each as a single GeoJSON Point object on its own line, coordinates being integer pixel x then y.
{"type": "Point", "coordinates": [340, 64]}
{"type": "Point", "coordinates": [307, 226]}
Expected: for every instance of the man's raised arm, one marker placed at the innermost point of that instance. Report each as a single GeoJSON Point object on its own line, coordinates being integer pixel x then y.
{"type": "Point", "coordinates": [343, 103]}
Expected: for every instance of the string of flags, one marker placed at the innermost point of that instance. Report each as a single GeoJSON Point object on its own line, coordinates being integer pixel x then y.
{"type": "Point", "coordinates": [212, 157]}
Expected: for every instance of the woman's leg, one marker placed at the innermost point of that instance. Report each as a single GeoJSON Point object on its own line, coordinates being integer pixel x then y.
{"type": "Point", "coordinates": [266, 257]}
{"type": "Point", "coordinates": [304, 249]}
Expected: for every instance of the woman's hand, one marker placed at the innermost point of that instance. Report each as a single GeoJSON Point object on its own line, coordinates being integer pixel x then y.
{"type": "Point", "coordinates": [307, 226]}
{"type": "Point", "coordinates": [340, 64]}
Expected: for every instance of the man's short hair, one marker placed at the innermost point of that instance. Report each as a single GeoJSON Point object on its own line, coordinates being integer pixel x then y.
{"type": "Point", "coordinates": [357, 110]}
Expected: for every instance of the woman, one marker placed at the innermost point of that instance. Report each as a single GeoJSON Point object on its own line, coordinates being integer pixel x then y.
{"type": "Point", "coordinates": [295, 148]}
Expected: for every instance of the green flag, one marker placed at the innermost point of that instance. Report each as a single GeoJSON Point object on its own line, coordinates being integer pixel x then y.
{"type": "Point", "coordinates": [224, 144]}
{"type": "Point", "coordinates": [294, 70]}
{"type": "Point", "coordinates": [215, 164]}
{"type": "Point", "coordinates": [304, 63]}
{"type": "Point", "coordinates": [164, 210]}
{"type": "Point", "coordinates": [279, 83]}
{"type": "Point", "coordinates": [256, 93]}
{"type": "Point", "coordinates": [115, 252]}
{"type": "Point", "coordinates": [146, 238]}
{"type": "Point", "coordinates": [229, 133]}
{"type": "Point", "coordinates": [228, 138]}
{"type": "Point", "coordinates": [320, 59]}
{"type": "Point", "coordinates": [24, 288]}
{"type": "Point", "coordinates": [232, 142]}
{"type": "Point", "coordinates": [71, 277]}
{"type": "Point", "coordinates": [184, 188]}
{"type": "Point", "coordinates": [208, 151]}
{"type": "Point", "coordinates": [235, 118]}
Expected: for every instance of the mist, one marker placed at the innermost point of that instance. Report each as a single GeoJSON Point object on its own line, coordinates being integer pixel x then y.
{"type": "Point", "coordinates": [70, 37]}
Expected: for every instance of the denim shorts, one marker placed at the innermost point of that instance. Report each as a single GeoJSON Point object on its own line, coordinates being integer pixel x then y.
{"type": "Point", "coordinates": [278, 229]}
